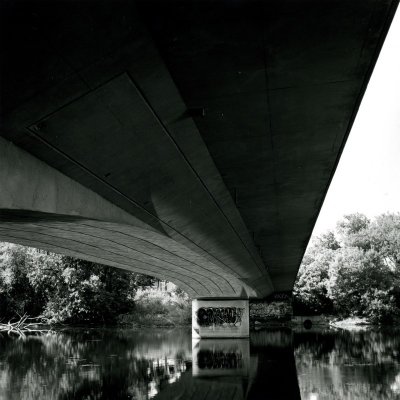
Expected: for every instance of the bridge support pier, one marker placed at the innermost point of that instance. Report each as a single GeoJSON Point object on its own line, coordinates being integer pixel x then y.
{"type": "Point", "coordinates": [220, 318]}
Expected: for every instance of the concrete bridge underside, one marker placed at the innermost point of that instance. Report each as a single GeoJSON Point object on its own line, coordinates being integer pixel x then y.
{"type": "Point", "coordinates": [192, 141]}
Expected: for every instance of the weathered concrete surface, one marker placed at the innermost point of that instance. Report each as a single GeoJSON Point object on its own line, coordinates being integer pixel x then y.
{"type": "Point", "coordinates": [43, 208]}
{"type": "Point", "coordinates": [219, 318]}
{"type": "Point", "coordinates": [214, 127]}
{"type": "Point", "coordinates": [274, 310]}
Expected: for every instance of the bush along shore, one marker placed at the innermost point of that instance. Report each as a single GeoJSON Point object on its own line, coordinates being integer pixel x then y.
{"type": "Point", "coordinates": [66, 291]}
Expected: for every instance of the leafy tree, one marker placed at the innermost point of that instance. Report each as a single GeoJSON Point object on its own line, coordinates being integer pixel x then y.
{"type": "Point", "coordinates": [385, 238]}
{"type": "Point", "coordinates": [139, 281]}
{"type": "Point", "coordinates": [86, 292]}
{"type": "Point", "coordinates": [352, 224]}
{"type": "Point", "coordinates": [328, 241]}
{"type": "Point", "coordinates": [17, 296]}
{"type": "Point", "coordinates": [63, 288]}
{"type": "Point", "coordinates": [311, 287]}
{"type": "Point", "coordinates": [353, 231]}
{"type": "Point", "coordinates": [356, 272]}
{"type": "Point", "coordinates": [356, 276]}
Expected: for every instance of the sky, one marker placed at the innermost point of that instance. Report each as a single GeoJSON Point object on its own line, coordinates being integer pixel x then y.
{"type": "Point", "coordinates": [367, 179]}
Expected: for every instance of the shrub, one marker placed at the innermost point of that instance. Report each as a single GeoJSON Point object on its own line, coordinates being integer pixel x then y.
{"type": "Point", "coordinates": [159, 308]}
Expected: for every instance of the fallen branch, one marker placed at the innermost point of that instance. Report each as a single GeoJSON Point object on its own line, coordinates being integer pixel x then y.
{"type": "Point", "coordinates": [26, 325]}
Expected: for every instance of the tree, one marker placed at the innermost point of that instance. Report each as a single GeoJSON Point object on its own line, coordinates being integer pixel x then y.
{"type": "Point", "coordinates": [17, 296]}
{"type": "Point", "coordinates": [311, 286]}
{"type": "Point", "coordinates": [385, 238]}
{"type": "Point", "coordinates": [356, 272]}
{"type": "Point", "coordinates": [353, 231]}
{"type": "Point", "coordinates": [86, 292]}
{"type": "Point", "coordinates": [352, 224]}
{"type": "Point", "coordinates": [357, 277]}
{"type": "Point", "coordinates": [328, 241]}
{"type": "Point", "coordinates": [64, 289]}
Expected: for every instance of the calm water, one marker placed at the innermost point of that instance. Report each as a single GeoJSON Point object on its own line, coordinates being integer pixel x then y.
{"type": "Point", "coordinates": [127, 364]}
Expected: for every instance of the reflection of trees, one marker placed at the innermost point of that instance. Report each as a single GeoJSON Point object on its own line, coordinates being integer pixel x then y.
{"type": "Point", "coordinates": [348, 365]}
{"type": "Point", "coordinates": [91, 364]}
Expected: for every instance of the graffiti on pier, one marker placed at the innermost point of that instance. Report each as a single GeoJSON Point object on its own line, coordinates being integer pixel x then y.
{"type": "Point", "coordinates": [219, 316]}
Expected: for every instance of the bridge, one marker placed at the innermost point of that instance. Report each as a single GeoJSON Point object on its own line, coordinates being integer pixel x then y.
{"type": "Point", "coordinates": [191, 141]}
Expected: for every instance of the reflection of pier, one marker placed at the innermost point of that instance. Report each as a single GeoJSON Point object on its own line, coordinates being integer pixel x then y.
{"type": "Point", "coordinates": [220, 357]}
{"type": "Point", "coordinates": [239, 369]}
{"type": "Point", "coordinates": [221, 369]}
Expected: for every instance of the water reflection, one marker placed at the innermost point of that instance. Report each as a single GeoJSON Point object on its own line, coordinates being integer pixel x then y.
{"type": "Point", "coordinates": [348, 365]}
{"type": "Point", "coordinates": [276, 372]}
{"type": "Point", "coordinates": [221, 357]}
{"type": "Point", "coordinates": [127, 364]}
{"type": "Point", "coordinates": [121, 364]}
{"type": "Point", "coordinates": [93, 364]}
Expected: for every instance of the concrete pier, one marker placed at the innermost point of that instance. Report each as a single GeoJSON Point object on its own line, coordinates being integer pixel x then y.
{"type": "Point", "coordinates": [220, 318]}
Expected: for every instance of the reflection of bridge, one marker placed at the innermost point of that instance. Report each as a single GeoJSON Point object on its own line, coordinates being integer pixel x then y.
{"type": "Point", "coordinates": [192, 141]}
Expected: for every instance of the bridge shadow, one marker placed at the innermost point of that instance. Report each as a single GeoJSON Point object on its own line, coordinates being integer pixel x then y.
{"type": "Point", "coordinates": [276, 375]}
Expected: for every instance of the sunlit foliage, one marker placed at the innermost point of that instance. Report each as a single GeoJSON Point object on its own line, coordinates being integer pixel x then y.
{"type": "Point", "coordinates": [64, 289]}
{"type": "Point", "coordinates": [354, 271]}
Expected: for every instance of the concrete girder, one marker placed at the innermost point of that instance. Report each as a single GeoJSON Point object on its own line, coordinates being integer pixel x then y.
{"type": "Point", "coordinates": [41, 207]}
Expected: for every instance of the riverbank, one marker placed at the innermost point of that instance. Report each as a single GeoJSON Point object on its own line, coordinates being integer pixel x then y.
{"type": "Point", "coordinates": [351, 323]}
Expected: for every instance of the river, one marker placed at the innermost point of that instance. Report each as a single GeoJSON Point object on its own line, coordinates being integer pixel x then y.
{"type": "Point", "coordinates": [166, 364]}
